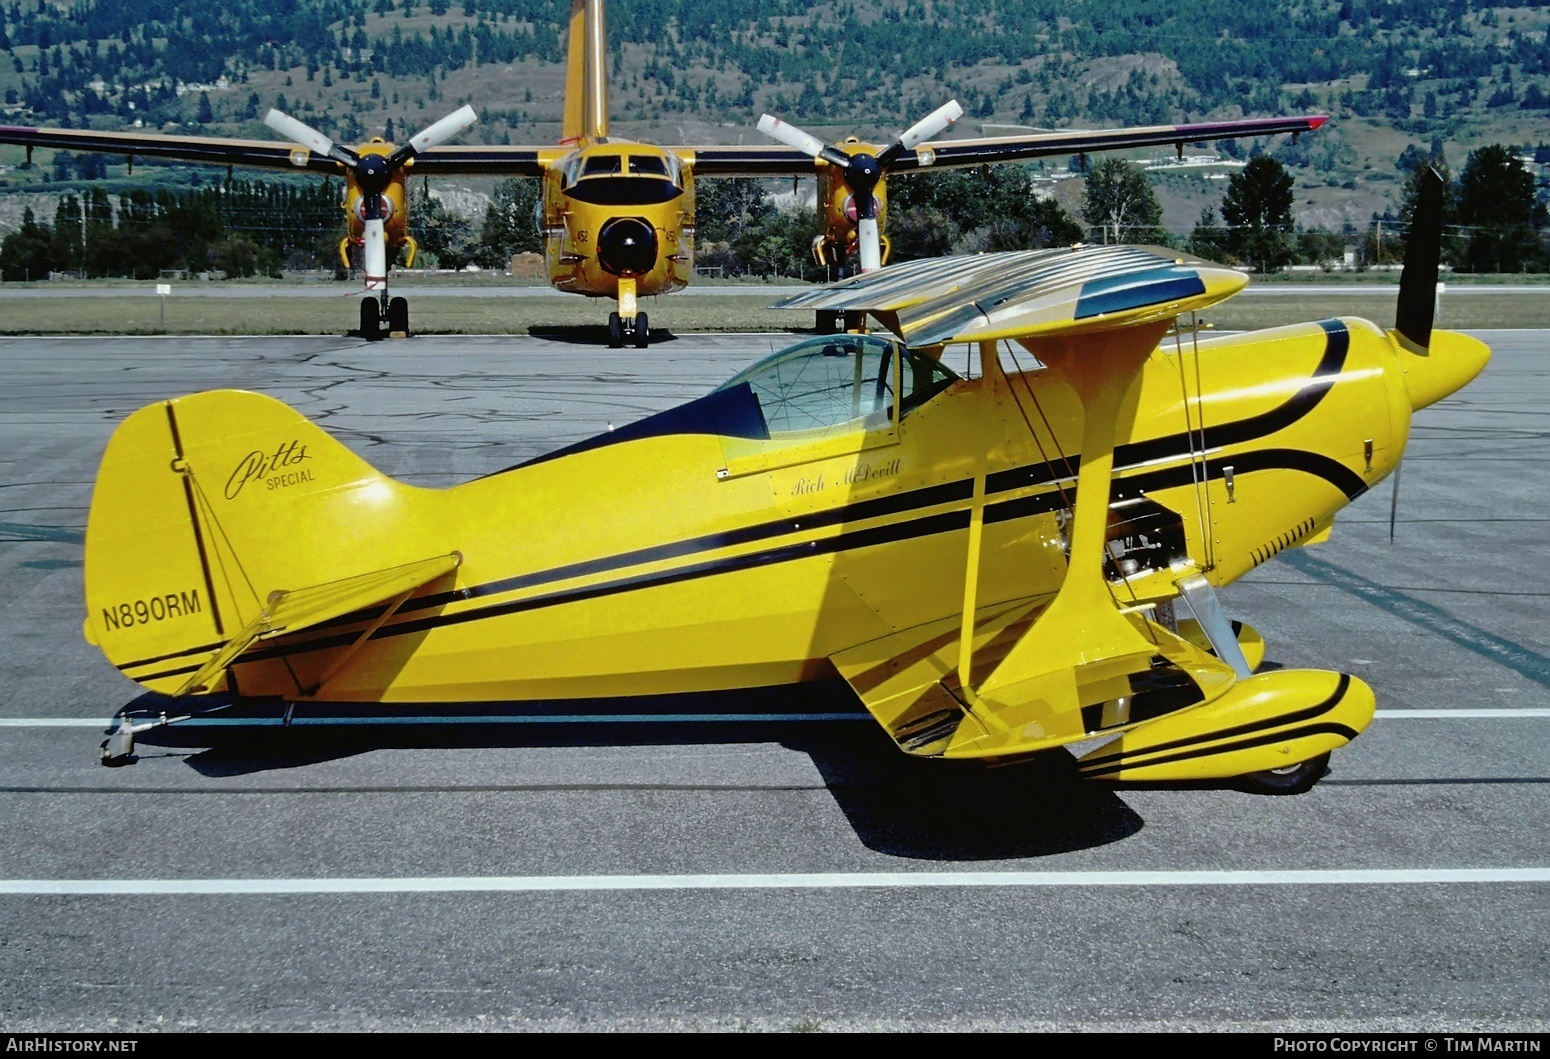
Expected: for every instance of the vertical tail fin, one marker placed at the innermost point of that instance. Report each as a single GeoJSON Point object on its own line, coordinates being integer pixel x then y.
{"type": "Point", "coordinates": [586, 73]}
{"type": "Point", "coordinates": [211, 511]}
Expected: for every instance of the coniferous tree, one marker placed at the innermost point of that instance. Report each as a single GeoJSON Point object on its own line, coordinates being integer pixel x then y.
{"type": "Point", "coordinates": [1497, 212]}
{"type": "Point", "coordinates": [509, 223]}
{"type": "Point", "coordinates": [1258, 210]}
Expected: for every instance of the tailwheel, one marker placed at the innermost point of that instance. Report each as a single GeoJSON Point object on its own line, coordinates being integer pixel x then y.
{"type": "Point", "coordinates": [371, 320]}
{"type": "Point", "coordinates": [642, 331]}
{"type": "Point", "coordinates": [1293, 779]}
{"type": "Point", "coordinates": [398, 317]}
{"type": "Point", "coordinates": [615, 331]}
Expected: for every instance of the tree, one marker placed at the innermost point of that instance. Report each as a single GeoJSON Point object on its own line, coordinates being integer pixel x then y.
{"type": "Point", "coordinates": [1497, 211]}
{"type": "Point", "coordinates": [779, 245]}
{"type": "Point", "coordinates": [1209, 238]}
{"type": "Point", "coordinates": [205, 114]}
{"type": "Point", "coordinates": [724, 207]}
{"type": "Point", "coordinates": [1119, 202]}
{"type": "Point", "coordinates": [66, 245]}
{"type": "Point", "coordinates": [509, 224]}
{"type": "Point", "coordinates": [27, 253]}
{"type": "Point", "coordinates": [1258, 210]}
{"type": "Point", "coordinates": [970, 210]}
{"type": "Point", "coordinates": [446, 236]}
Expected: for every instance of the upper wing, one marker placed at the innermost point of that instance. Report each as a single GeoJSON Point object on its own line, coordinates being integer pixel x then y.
{"type": "Point", "coordinates": [269, 154]}
{"type": "Point", "coordinates": [776, 160]}
{"type": "Point", "coordinates": [1027, 293]}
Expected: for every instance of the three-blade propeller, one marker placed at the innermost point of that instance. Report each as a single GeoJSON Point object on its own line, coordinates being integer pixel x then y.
{"type": "Point", "coordinates": [863, 170]}
{"type": "Point", "coordinates": [372, 172]}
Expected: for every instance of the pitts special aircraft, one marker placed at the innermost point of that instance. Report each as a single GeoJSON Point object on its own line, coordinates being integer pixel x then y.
{"type": "Point", "coordinates": [617, 217]}
{"type": "Point", "coordinates": [994, 564]}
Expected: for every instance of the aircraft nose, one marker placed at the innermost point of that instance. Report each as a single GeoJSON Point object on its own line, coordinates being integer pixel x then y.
{"type": "Point", "coordinates": [1452, 360]}
{"type": "Point", "coordinates": [627, 246]}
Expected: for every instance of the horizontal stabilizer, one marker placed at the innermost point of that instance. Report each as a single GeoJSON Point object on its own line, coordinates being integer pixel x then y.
{"type": "Point", "coordinates": [288, 611]}
{"type": "Point", "coordinates": [1028, 293]}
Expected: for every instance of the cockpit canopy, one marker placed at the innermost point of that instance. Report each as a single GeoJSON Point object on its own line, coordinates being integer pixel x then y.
{"type": "Point", "coordinates": [632, 175]}
{"type": "Point", "coordinates": [840, 382]}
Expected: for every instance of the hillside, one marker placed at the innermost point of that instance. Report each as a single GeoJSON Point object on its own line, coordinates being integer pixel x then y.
{"type": "Point", "coordinates": [1391, 73]}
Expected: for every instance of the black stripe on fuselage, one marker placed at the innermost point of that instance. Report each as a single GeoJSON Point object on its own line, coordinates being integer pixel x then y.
{"type": "Point", "coordinates": [1337, 345]}
{"type": "Point", "coordinates": [1325, 728]}
{"type": "Point", "coordinates": [921, 527]}
{"type": "Point", "coordinates": [1028, 476]}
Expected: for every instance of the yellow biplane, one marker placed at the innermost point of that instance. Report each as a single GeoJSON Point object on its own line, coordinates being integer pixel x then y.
{"type": "Point", "coordinates": [999, 565]}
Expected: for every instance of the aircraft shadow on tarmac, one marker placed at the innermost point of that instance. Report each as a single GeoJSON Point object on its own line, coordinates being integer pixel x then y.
{"type": "Point", "coordinates": [898, 805]}
{"type": "Point", "coordinates": [592, 334]}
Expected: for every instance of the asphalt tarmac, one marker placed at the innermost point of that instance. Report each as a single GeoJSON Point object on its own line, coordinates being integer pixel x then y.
{"type": "Point", "coordinates": [721, 875]}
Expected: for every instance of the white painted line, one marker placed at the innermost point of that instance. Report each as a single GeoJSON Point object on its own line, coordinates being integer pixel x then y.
{"type": "Point", "coordinates": [1507, 712]}
{"type": "Point", "coordinates": [56, 722]}
{"type": "Point", "coordinates": [1487, 713]}
{"type": "Point", "coordinates": [815, 881]}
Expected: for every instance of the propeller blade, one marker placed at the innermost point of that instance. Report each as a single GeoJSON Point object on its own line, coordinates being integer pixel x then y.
{"type": "Point", "coordinates": [925, 129]}
{"type": "Point", "coordinates": [436, 133]}
{"type": "Point", "coordinates": [307, 136]}
{"type": "Point", "coordinates": [443, 130]}
{"type": "Point", "coordinates": [805, 142]}
{"type": "Point", "coordinates": [1416, 312]}
{"type": "Point", "coordinates": [1394, 503]}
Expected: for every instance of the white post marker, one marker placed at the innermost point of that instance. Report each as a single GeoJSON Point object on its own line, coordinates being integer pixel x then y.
{"type": "Point", "coordinates": [163, 289]}
{"type": "Point", "coordinates": [1437, 308]}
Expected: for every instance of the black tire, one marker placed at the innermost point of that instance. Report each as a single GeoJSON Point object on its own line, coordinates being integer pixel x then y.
{"type": "Point", "coordinates": [615, 332]}
{"type": "Point", "coordinates": [642, 331]}
{"type": "Point", "coordinates": [1294, 779]}
{"type": "Point", "coordinates": [827, 321]}
{"type": "Point", "coordinates": [398, 315]}
{"type": "Point", "coordinates": [371, 320]}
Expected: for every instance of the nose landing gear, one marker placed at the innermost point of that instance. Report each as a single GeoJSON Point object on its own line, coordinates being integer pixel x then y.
{"type": "Point", "coordinates": [628, 322]}
{"type": "Point", "coordinates": [383, 317]}
{"type": "Point", "coordinates": [637, 330]}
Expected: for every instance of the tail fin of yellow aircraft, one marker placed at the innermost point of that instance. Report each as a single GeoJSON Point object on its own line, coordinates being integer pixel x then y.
{"type": "Point", "coordinates": [226, 518]}
{"type": "Point", "coordinates": [586, 74]}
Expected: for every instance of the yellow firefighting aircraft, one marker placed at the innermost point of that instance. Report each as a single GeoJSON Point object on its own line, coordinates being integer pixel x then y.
{"type": "Point", "coordinates": [617, 217]}
{"type": "Point", "coordinates": [994, 564]}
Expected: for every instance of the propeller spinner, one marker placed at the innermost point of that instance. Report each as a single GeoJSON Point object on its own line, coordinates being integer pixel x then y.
{"type": "Point", "coordinates": [863, 171]}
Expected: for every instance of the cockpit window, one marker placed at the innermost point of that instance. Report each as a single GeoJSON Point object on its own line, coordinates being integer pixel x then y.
{"type": "Point", "coordinates": [601, 165]}
{"type": "Point", "coordinates": [647, 165]}
{"type": "Point", "coordinates": [840, 381]}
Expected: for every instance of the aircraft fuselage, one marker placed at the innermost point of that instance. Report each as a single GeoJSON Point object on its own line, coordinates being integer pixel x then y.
{"type": "Point", "coordinates": [617, 220]}
{"type": "Point", "coordinates": [685, 554]}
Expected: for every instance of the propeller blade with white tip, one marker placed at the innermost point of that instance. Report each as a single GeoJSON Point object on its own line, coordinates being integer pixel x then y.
{"type": "Point", "coordinates": [441, 131]}
{"type": "Point", "coordinates": [307, 136]}
{"type": "Point", "coordinates": [925, 129]}
{"type": "Point", "coordinates": [805, 142]}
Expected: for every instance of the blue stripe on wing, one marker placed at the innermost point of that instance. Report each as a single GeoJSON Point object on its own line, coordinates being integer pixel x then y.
{"type": "Point", "coordinates": [1137, 289]}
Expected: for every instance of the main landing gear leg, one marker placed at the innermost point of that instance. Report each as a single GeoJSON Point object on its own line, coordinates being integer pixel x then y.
{"type": "Point", "coordinates": [627, 322]}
